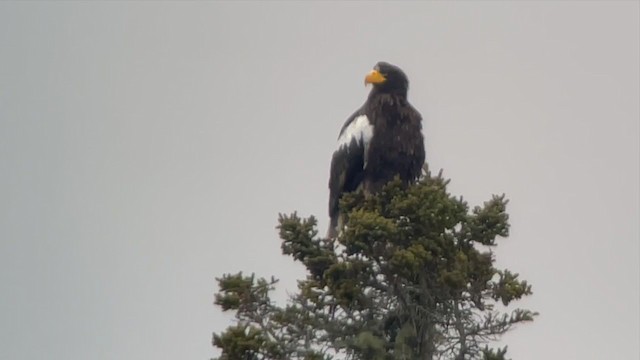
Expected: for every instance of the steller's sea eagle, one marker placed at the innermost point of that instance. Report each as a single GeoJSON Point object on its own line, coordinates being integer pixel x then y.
{"type": "Point", "coordinates": [380, 140]}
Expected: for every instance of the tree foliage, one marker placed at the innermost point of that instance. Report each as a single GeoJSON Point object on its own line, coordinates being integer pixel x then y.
{"type": "Point", "coordinates": [411, 276]}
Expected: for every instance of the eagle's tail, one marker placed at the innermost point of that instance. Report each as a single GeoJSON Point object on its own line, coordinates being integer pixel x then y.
{"type": "Point", "coordinates": [332, 231]}
{"type": "Point", "coordinates": [335, 226]}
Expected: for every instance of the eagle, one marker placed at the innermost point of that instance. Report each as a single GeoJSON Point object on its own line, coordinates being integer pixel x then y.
{"type": "Point", "coordinates": [381, 140]}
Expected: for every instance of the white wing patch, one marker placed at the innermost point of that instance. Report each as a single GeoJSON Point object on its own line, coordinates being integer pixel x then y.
{"type": "Point", "coordinates": [359, 130]}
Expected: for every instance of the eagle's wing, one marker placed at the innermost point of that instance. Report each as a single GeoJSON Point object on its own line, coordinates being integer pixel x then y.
{"type": "Point", "coordinates": [348, 163]}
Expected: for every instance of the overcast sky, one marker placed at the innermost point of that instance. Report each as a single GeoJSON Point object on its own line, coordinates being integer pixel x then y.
{"type": "Point", "coordinates": [148, 147]}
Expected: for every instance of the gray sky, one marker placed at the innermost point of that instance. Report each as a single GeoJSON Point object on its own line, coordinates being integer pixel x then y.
{"type": "Point", "coordinates": [148, 147]}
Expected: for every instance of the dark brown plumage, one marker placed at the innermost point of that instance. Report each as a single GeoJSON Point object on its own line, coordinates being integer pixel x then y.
{"type": "Point", "coordinates": [380, 140]}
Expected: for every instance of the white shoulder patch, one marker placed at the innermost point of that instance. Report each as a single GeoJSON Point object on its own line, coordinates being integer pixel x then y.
{"type": "Point", "coordinates": [359, 130]}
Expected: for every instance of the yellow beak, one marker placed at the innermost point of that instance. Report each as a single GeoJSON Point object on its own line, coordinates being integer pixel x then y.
{"type": "Point", "coordinates": [374, 77]}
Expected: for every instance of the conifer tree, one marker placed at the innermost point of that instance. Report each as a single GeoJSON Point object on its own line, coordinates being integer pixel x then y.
{"type": "Point", "coordinates": [411, 276]}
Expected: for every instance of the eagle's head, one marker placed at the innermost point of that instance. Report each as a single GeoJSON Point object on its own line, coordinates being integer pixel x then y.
{"type": "Point", "coordinates": [387, 78]}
